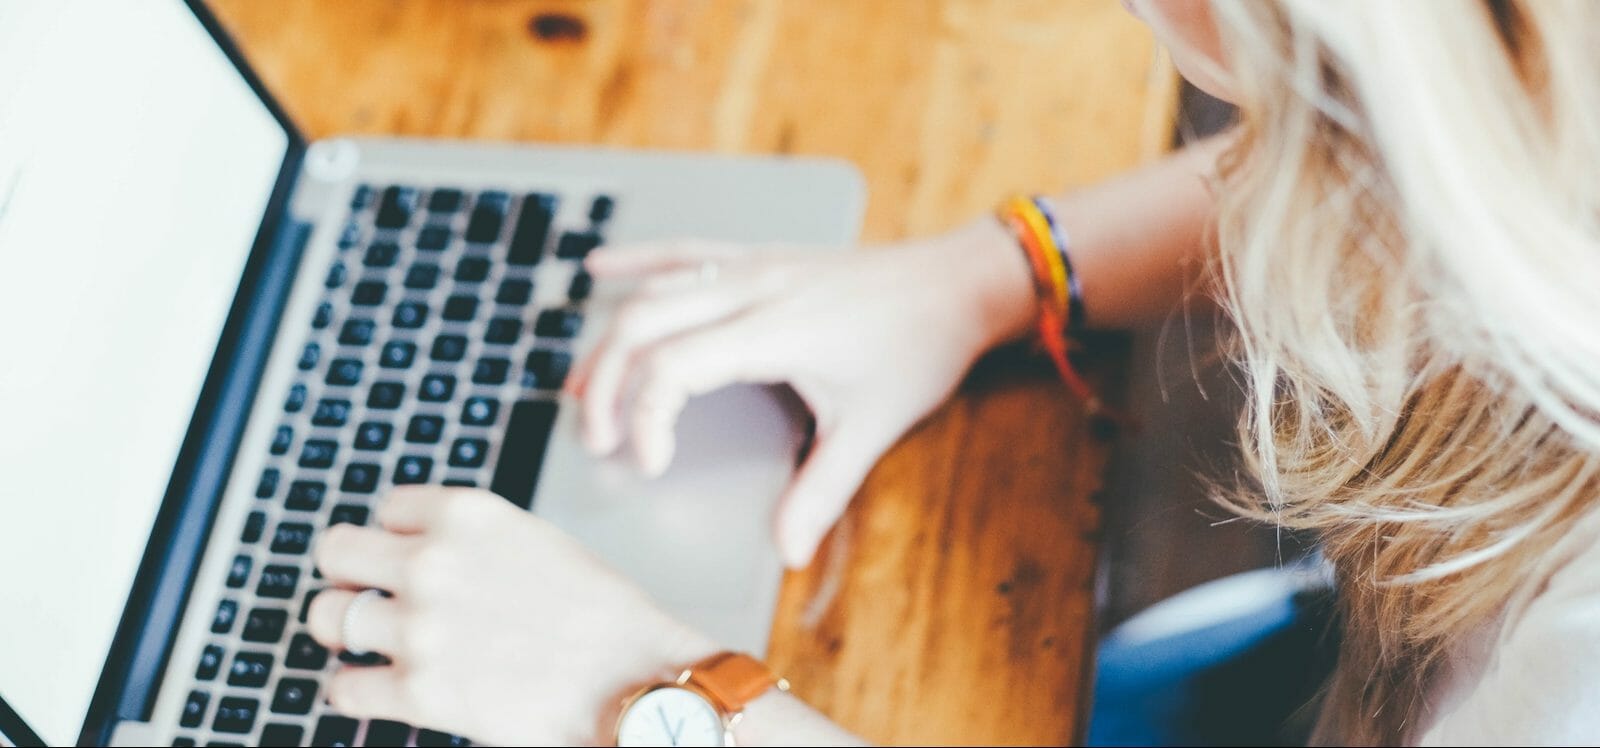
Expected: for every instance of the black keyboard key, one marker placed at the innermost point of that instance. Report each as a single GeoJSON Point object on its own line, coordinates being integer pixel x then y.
{"type": "Point", "coordinates": [222, 622]}
{"type": "Point", "coordinates": [318, 453]}
{"type": "Point", "coordinates": [369, 293]}
{"type": "Point", "coordinates": [460, 308]}
{"type": "Point", "coordinates": [449, 348]}
{"type": "Point", "coordinates": [361, 198]}
{"type": "Point", "coordinates": [522, 451]}
{"type": "Point", "coordinates": [309, 357]}
{"type": "Point", "coordinates": [472, 269]}
{"type": "Point", "coordinates": [281, 736]}
{"type": "Point", "coordinates": [236, 715]}
{"type": "Point", "coordinates": [305, 495]}
{"type": "Point", "coordinates": [194, 709]}
{"type": "Point", "coordinates": [546, 370]}
{"type": "Point", "coordinates": [294, 696]}
{"type": "Point", "coordinates": [503, 331]}
{"type": "Point", "coordinates": [331, 411]}
{"type": "Point", "coordinates": [268, 485]}
{"type": "Point", "coordinates": [305, 653]}
{"type": "Point", "coordinates": [422, 277]}
{"type": "Point", "coordinates": [350, 235]}
{"type": "Point", "coordinates": [337, 275]}
{"type": "Point", "coordinates": [250, 669]}
{"type": "Point", "coordinates": [444, 200]}
{"type": "Point", "coordinates": [282, 440]}
{"type": "Point", "coordinates": [460, 482]}
{"type": "Point", "coordinates": [488, 218]}
{"type": "Point", "coordinates": [558, 323]}
{"type": "Point", "coordinates": [239, 571]}
{"type": "Point", "coordinates": [433, 238]}
{"type": "Point", "coordinates": [360, 477]}
{"type": "Point", "coordinates": [576, 245]}
{"type": "Point", "coordinates": [491, 371]}
{"type": "Point", "coordinates": [409, 315]}
{"type": "Point", "coordinates": [334, 731]}
{"type": "Point", "coordinates": [381, 255]}
{"type": "Point", "coordinates": [436, 739]}
{"type": "Point", "coordinates": [356, 332]}
{"type": "Point", "coordinates": [469, 453]}
{"type": "Point", "coordinates": [394, 210]}
{"type": "Point", "coordinates": [292, 538]}
{"type": "Point", "coordinates": [278, 582]}
{"type": "Point", "coordinates": [254, 526]}
{"type": "Point", "coordinates": [437, 388]}
{"type": "Point", "coordinates": [386, 395]}
{"type": "Point", "coordinates": [322, 317]}
{"type": "Point", "coordinates": [296, 399]}
{"type": "Point", "coordinates": [425, 429]}
{"type": "Point", "coordinates": [349, 514]}
{"type": "Point", "coordinates": [412, 469]}
{"type": "Point", "coordinates": [600, 209]}
{"type": "Point", "coordinates": [533, 229]}
{"type": "Point", "coordinates": [305, 609]}
{"type": "Point", "coordinates": [373, 436]}
{"type": "Point", "coordinates": [479, 411]}
{"type": "Point", "coordinates": [383, 732]}
{"type": "Point", "coordinates": [582, 285]}
{"type": "Point", "coordinates": [363, 659]}
{"type": "Point", "coordinates": [210, 662]}
{"type": "Point", "coordinates": [397, 354]}
{"type": "Point", "coordinates": [264, 625]}
{"type": "Point", "coordinates": [344, 372]}
{"type": "Point", "coordinates": [514, 291]}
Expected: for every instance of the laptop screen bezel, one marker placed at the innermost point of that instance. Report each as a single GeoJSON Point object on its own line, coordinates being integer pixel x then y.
{"type": "Point", "coordinates": [137, 658]}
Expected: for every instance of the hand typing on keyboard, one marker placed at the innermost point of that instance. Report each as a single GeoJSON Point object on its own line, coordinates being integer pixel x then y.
{"type": "Point", "coordinates": [498, 627]}
{"type": "Point", "coordinates": [871, 340]}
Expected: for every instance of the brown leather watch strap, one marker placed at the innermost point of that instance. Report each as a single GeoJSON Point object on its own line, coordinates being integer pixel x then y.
{"type": "Point", "coordinates": [733, 679]}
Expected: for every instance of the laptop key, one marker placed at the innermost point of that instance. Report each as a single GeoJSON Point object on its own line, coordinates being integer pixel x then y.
{"type": "Point", "coordinates": [309, 357]}
{"type": "Point", "coordinates": [305, 653]}
{"type": "Point", "coordinates": [522, 450]}
{"type": "Point", "coordinates": [348, 514]}
{"type": "Point", "coordinates": [210, 662]}
{"type": "Point", "coordinates": [546, 370]}
{"type": "Point", "coordinates": [264, 625]}
{"type": "Point", "coordinates": [296, 399]}
{"type": "Point", "coordinates": [514, 291]}
{"type": "Point", "coordinates": [305, 495]}
{"type": "Point", "coordinates": [182, 742]}
{"type": "Point", "coordinates": [250, 669]}
{"type": "Point", "coordinates": [282, 439]}
{"type": "Point", "coordinates": [460, 308]}
{"type": "Point", "coordinates": [491, 371]}
{"type": "Point", "coordinates": [444, 200]}
{"type": "Point", "coordinates": [397, 354]}
{"type": "Point", "coordinates": [449, 348]}
{"type": "Point", "coordinates": [433, 238]}
{"type": "Point", "coordinates": [460, 483]}
{"type": "Point", "coordinates": [239, 571]}
{"type": "Point", "coordinates": [369, 293]}
{"type": "Point", "coordinates": [582, 285]}
{"type": "Point", "coordinates": [394, 210]}
{"type": "Point", "coordinates": [236, 715]}
{"type": "Point", "coordinates": [350, 235]}
{"type": "Point", "coordinates": [322, 317]}
{"type": "Point", "coordinates": [386, 395]}
{"type": "Point", "coordinates": [356, 332]}
{"type": "Point", "coordinates": [384, 732]}
{"type": "Point", "coordinates": [479, 411]}
{"type": "Point", "coordinates": [410, 315]}
{"type": "Point", "coordinates": [277, 582]}
{"type": "Point", "coordinates": [344, 372]}
{"type": "Point", "coordinates": [318, 453]}
{"type": "Point", "coordinates": [373, 436]}
{"type": "Point", "coordinates": [334, 731]}
{"type": "Point", "coordinates": [411, 470]}
{"type": "Point", "coordinates": [268, 485]}
{"type": "Point", "coordinates": [425, 429]}
{"type": "Point", "coordinates": [468, 452]}
{"type": "Point", "coordinates": [360, 477]}
{"type": "Point", "coordinates": [294, 696]}
{"type": "Point", "coordinates": [331, 411]}
{"type": "Point", "coordinates": [336, 275]}
{"type": "Point", "coordinates": [292, 538]}
{"type": "Point", "coordinates": [361, 197]}
{"type": "Point", "coordinates": [254, 526]}
{"type": "Point", "coordinates": [558, 323]}
{"type": "Point", "coordinates": [422, 277]}
{"type": "Point", "coordinates": [533, 229]}
{"type": "Point", "coordinates": [222, 622]}
{"type": "Point", "coordinates": [600, 209]}
{"type": "Point", "coordinates": [437, 388]}
{"type": "Point", "coordinates": [576, 245]}
{"type": "Point", "coordinates": [281, 736]}
{"type": "Point", "coordinates": [194, 709]}
{"type": "Point", "coordinates": [503, 331]}
{"type": "Point", "coordinates": [436, 739]}
{"type": "Point", "coordinates": [488, 218]}
{"type": "Point", "coordinates": [472, 269]}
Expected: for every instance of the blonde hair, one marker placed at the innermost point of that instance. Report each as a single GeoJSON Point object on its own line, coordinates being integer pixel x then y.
{"type": "Point", "coordinates": [1410, 249]}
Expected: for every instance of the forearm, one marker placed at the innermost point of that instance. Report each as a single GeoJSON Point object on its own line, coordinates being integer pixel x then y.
{"type": "Point", "coordinates": [781, 719]}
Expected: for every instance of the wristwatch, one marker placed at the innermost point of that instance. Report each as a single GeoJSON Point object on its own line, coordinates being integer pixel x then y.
{"type": "Point", "coordinates": [700, 707]}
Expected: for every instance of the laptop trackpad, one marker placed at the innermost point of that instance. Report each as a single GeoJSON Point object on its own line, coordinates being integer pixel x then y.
{"type": "Point", "coordinates": [699, 538]}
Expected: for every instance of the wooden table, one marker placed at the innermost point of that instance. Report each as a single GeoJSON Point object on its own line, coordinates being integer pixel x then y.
{"type": "Point", "coordinates": [954, 604]}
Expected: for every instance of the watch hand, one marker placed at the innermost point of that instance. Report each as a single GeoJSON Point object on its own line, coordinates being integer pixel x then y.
{"type": "Point", "coordinates": [671, 734]}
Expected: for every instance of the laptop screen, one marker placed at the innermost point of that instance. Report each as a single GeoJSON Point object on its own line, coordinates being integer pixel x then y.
{"type": "Point", "coordinates": [135, 166]}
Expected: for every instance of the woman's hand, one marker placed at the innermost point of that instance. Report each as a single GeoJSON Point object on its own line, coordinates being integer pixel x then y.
{"type": "Point", "coordinates": [871, 340]}
{"type": "Point", "coordinates": [500, 627]}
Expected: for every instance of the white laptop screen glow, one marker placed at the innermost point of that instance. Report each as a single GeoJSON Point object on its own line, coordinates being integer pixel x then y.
{"type": "Point", "coordinates": [135, 165]}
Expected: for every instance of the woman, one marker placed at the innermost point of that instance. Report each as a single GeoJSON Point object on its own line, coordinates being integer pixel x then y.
{"type": "Point", "coordinates": [1406, 235]}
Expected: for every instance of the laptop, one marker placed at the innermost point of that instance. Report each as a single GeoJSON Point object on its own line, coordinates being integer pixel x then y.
{"type": "Point", "coordinates": [220, 338]}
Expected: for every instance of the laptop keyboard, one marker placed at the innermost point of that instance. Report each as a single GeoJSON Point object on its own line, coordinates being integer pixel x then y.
{"type": "Point", "coordinates": [435, 355]}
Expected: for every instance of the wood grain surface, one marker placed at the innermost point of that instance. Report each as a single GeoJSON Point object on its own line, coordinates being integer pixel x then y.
{"type": "Point", "coordinates": [954, 604]}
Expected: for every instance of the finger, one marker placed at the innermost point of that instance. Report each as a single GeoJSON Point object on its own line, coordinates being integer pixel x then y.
{"type": "Point", "coordinates": [822, 488]}
{"type": "Point", "coordinates": [354, 556]}
{"type": "Point", "coordinates": [371, 693]}
{"type": "Point", "coordinates": [644, 258]}
{"type": "Point", "coordinates": [694, 363]}
{"type": "Point", "coordinates": [375, 627]}
{"type": "Point", "coordinates": [412, 509]}
{"type": "Point", "coordinates": [639, 323]}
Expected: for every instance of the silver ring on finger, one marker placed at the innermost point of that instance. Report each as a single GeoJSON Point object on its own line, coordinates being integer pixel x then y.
{"type": "Point", "coordinates": [348, 624]}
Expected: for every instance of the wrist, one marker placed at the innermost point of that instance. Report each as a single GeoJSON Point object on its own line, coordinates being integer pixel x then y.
{"type": "Point", "coordinates": [992, 277]}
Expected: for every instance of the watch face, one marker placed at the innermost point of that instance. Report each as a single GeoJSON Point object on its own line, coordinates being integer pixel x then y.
{"type": "Point", "coordinates": [671, 716]}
